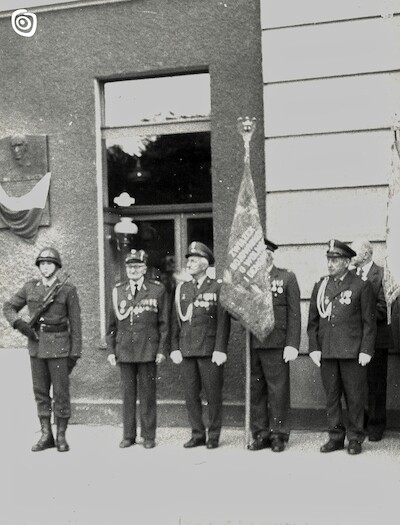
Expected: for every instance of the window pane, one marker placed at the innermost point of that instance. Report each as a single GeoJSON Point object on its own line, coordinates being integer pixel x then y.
{"type": "Point", "coordinates": [155, 100]}
{"type": "Point", "coordinates": [164, 169]}
{"type": "Point", "coordinates": [201, 229]}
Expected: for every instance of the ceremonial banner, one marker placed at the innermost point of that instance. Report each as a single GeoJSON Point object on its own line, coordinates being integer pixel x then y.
{"type": "Point", "coordinates": [246, 291]}
{"type": "Point", "coordinates": [23, 214]}
{"type": "Point", "coordinates": [391, 280]}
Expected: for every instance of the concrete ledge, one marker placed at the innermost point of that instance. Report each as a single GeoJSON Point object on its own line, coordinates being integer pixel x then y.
{"type": "Point", "coordinates": [173, 414]}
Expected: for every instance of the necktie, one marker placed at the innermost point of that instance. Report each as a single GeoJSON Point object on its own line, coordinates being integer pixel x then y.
{"type": "Point", "coordinates": [135, 290]}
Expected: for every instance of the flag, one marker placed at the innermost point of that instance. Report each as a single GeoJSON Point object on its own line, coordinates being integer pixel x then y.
{"type": "Point", "coordinates": [246, 291]}
{"type": "Point", "coordinates": [23, 214]}
{"type": "Point", "coordinates": [391, 279]}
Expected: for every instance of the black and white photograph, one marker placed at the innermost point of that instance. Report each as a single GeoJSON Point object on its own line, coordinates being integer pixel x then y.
{"type": "Point", "coordinates": [199, 262]}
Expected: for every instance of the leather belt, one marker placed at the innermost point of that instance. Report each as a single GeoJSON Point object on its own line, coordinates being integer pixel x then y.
{"type": "Point", "coordinates": [53, 327]}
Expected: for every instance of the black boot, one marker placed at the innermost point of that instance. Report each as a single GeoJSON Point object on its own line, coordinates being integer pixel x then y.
{"type": "Point", "coordinates": [62, 445]}
{"type": "Point", "coordinates": [46, 439]}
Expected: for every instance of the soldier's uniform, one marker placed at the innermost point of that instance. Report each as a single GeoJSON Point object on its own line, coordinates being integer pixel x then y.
{"type": "Point", "coordinates": [199, 327]}
{"type": "Point", "coordinates": [57, 346]}
{"type": "Point", "coordinates": [342, 325]}
{"type": "Point", "coordinates": [138, 330]}
{"type": "Point", "coordinates": [270, 378]}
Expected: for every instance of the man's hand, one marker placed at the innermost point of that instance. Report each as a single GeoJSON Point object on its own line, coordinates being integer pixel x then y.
{"type": "Point", "coordinates": [363, 359]}
{"type": "Point", "coordinates": [23, 327]}
{"type": "Point", "coordinates": [176, 357]}
{"type": "Point", "coordinates": [160, 358]}
{"type": "Point", "coordinates": [316, 357]}
{"type": "Point", "coordinates": [71, 362]}
{"type": "Point", "coordinates": [290, 353]}
{"type": "Point", "coordinates": [219, 358]}
{"type": "Point", "coordinates": [112, 359]}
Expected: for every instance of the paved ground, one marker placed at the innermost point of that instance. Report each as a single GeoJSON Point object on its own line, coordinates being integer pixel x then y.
{"type": "Point", "coordinates": [96, 483]}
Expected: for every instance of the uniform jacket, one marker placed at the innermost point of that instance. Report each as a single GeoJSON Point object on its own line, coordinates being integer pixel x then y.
{"type": "Point", "coordinates": [286, 304]}
{"type": "Point", "coordinates": [207, 328]}
{"type": "Point", "coordinates": [351, 327]}
{"type": "Point", "coordinates": [65, 310]}
{"type": "Point", "coordinates": [384, 333]}
{"type": "Point", "coordinates": [138, 328]}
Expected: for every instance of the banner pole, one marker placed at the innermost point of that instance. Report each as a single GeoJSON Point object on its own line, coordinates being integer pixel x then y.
{"type": "Point", "coordinates": [247, 436]}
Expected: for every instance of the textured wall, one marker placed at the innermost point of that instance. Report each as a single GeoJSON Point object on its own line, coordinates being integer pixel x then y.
{"type": "Point", "coordinates": [47, 87]}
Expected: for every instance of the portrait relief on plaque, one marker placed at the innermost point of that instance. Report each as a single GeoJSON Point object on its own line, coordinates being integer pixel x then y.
{"type": "Point", "coordinates": [24, 184]}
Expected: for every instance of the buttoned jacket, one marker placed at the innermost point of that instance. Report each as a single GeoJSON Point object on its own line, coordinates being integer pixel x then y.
{"type": "Point", "coordinates": [199, 323]}
{"type": "Point", "coordinates": [350, 327]}
{"type": "Point", "coordinates": [138, 327]}
{"type": "Point", "coordinates": [286, 304]}
{"type": "Point", "coordinates": [64, 311]}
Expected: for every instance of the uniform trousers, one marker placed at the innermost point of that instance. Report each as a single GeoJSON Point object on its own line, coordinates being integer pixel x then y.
{"type": "Point", "coordinates": [47, 372]}
{"type": "Point", "coordinates": [348, 377]}
{"type": "Point", "coordinates": [139, 378]}
{"type": "Point", "coordinates": [198, 373]}
{"type": "Point", "coordinates": [377, 386]}
{"type": "Point", "coordinates": [270, 393]}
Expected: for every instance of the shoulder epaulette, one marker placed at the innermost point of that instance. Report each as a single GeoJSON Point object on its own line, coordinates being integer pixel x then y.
{"type": "Point", "coordinates": [155, 281]}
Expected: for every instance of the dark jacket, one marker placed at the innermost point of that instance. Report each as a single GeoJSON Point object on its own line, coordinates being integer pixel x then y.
{"type": "Point", "coordinates": [209, 324]}
{"type": "Point", "coordinates": [138, 328]}
{"type": "Point", "coordinates": [351, 327]}
{"type": "Point", "coordinates": [286, 304]}
{"type": "Point", "coordinates": [384, 337]}
{"type": "Point", "coordinates": [65, 311]}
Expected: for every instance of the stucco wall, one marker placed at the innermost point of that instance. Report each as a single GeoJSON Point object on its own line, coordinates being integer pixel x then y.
{"type": "Point", "coordinates": [47, 87]}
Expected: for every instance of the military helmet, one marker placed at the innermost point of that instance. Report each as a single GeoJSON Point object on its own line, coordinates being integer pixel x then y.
{"type": "Point", "coordinates": [50, 255]}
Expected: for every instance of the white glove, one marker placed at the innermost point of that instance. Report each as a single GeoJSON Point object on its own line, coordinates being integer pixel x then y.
{"type": "Point", "coordinates": [176, 357]}
{"type": "Point", "coordinates": [290, 353]}
{"type": "Point", "coordinates": [112, 359]}
{"type": "Point", "coordinates": [316, 357]}
{"type": "Point", "coordinates": [363, 359]}
{"type": "Point", "coordinates": [159, 359]}
{"type": "Point", "coordinates": [218, 358]}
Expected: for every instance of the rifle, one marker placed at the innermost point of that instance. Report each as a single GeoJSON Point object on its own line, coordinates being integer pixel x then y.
{"type": "Point", "coordinates": [47, 301]}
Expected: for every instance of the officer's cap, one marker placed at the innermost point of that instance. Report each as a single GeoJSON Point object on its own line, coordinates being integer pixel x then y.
{"type": "Point", "coordinates": [339, 249]}
{"type": "Point", "coordinates": [270, 245]}
{"type": "Point", "coordinates": [136, 256]}
{"type": "Point", "coordinates": [201, 250]}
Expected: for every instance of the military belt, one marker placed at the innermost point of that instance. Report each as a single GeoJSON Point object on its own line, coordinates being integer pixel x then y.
{"type": "Point", "coordinates": [53, 327]}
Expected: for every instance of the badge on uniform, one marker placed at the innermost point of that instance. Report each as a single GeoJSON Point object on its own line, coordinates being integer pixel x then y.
{"type": "Point", "coordinates": [122, 306]}
{"type": "Point", "coordinates": [345, 297]}
{"type": "Point", "coordinates": [277, 286]}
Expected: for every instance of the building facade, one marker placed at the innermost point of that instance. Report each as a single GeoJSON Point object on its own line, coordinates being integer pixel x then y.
{"type": "Point", "coordinates": [140, 100]}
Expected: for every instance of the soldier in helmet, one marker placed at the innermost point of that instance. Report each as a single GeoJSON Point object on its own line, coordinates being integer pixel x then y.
{"type": "Point", "coordinates": [137, 339]}
{"type": "Point", "coordinates": [54, 344]}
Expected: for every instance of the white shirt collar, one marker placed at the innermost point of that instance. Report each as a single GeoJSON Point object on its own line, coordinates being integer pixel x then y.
{"type": "Point", "coordinates": [138, 283]}
{"type": "Point", "coordinates": [366, 268]}
{"type": "Point", "coordinates": [201, 280]}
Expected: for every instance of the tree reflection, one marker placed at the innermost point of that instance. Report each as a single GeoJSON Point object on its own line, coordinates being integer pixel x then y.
{"type": "Point", "coordinates": [172, 169]}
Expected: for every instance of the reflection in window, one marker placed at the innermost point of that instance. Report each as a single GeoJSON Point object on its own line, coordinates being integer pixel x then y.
{"type": "Point", "coordinates": [155, 100]}
{"type": "Point", "coordinates": [165, 169]}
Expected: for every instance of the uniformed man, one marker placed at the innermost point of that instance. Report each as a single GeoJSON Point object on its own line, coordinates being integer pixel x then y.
{"type": "Point", "coordinates": [269, 376]}
{"type": "Point", "coordinates": [341, 331]}
{"type": "Point", "coordinates": [200, 332]}
{"type": "Point", "coordinates": [377, 368]}
{"type": "Point", "coordinates": [137, 339]}
{"type": "Point", "coordinates": [54, 344]}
